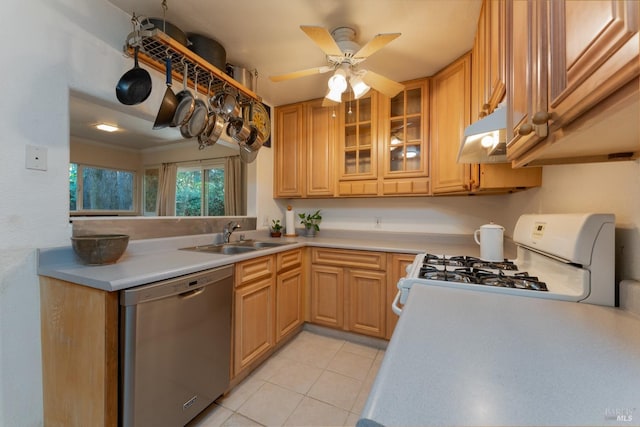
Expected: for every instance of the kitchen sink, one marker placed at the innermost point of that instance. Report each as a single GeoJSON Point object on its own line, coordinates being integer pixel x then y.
{"type": "Point", "coordinates": [236, 248]}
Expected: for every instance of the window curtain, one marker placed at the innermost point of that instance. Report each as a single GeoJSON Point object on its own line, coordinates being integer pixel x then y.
{"type": "Point", "coordinates": [233, 188]}
{"type": "Point", "coordinates": [167, 189]}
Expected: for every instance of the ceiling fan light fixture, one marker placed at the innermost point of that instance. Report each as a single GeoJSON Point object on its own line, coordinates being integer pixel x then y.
{"type": "Point", "coordinates": [335, 96]}
{"type": "Point", "coordinates": [360, 88]}
{"type": "Point", "coordinates": [338, 82]}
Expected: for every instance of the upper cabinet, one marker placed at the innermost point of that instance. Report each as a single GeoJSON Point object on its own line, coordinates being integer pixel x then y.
{"type": "Point", "coordinates": [304, 150]}
{"type": "Point", "coordinates": [573, 88]}
{"type": "Point", "coordinates": [488, 85]}
{"type": "Point", "coordinates": [450, 110]}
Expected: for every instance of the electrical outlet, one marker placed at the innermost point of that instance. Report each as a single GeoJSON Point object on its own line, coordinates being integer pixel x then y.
{"type": "Point", "coordinates": [265, 221]}
{"type": "Point", "coordinates": [378, 222]}
{"type": "Point", "coordinates": [36, 158]}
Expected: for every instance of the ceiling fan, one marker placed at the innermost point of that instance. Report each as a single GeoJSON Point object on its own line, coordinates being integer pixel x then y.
{"type": "Point", "coordinates": [344, 55]}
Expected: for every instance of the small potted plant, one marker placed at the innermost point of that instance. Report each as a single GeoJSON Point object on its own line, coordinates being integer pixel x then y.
{"type": "Point", "coordinates": [276, 228]}
{"type": "Point", "coordinates": [310, 222]}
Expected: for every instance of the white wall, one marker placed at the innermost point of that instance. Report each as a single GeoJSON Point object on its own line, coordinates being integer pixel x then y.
{"type": "Point", "coordinates": [48, 49]}
{"type": "Point", "coordinates": [602, 187]}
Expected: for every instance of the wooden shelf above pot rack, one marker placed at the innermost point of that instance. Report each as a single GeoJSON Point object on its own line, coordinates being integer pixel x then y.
{"type": "Point", "coordinates": [154, 47]}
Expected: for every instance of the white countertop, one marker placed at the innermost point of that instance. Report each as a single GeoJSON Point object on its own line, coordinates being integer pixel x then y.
{"type": "Point", "coordinates": [460, 357]}
{"type": "Point", "coordinates": [151, 260]}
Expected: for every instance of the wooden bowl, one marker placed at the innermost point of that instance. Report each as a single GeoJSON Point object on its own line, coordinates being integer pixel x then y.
{"type": "Point", "coordinates": [100, 249]}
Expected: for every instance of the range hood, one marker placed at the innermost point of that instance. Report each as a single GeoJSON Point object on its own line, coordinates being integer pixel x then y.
{"type": "Point", "coordinates": [485, 141]}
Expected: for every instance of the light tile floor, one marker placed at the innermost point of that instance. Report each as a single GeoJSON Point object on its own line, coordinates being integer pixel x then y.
{"type": "Point", "coordinates": [314, 380]}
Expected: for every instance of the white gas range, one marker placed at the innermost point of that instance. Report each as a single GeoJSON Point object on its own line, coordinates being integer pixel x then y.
{"type": "Point", "coordinates": [559, 256]}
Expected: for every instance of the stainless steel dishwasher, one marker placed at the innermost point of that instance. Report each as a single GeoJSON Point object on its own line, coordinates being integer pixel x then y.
{"type": "Point", "coordinates": [175, 344]}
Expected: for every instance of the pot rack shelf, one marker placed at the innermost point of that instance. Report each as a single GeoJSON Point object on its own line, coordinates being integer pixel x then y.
{"type": "Point", "coordinates": [156, 45]}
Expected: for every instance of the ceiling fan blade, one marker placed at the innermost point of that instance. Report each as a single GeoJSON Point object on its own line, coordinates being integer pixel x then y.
{"type": "Point", "coordinates": [323, 39]}
{"type": "Point", "coordinates": [375, 44]}
{"type": "Point", "coordinates": [382, 84]}
{"type": "Point", "coordinates": [301, 73]}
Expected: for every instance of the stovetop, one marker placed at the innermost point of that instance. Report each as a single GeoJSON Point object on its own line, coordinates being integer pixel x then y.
{"type": "Point", "coordinates": [471, 270]}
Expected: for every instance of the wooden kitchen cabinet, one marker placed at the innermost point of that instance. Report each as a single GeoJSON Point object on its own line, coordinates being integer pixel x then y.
{"type": "Point", "coordinates": [79, 354]}
{"type": "Point", "coordinates": [254, 308]}
{"type": "Point", "coordinates": [268, 306]}
{"type": "Point", "coordinates": [404, 140]}
{"type": "Point", "coordinates": [571, 56]}
{"type": "Point", "coordinates": [450, 114]}
{"type": "Point", "coordinates": [396, 269]}
{"type": "Point", "coordinates": [304, 150]}
{"type": "Point", "coordinates": [327, 296]}
{"type": "Point", "coordinates": [288, 152]}
{"type": "Point", "coordinates": [348, 290]}
{"type": "Point", "coordinates": [488, 85]}
{"type": "Point", "coordinates": [289, 293]}
{"type": "Point", "coordinates": [450, 106]}
{"type": "Point", "coordinates": [365, 302]}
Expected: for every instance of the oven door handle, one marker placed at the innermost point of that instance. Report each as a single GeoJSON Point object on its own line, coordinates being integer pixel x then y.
{"type": "Point", "coordinates": [395, 305]}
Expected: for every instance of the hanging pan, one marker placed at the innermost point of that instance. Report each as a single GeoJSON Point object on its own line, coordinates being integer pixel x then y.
{"type": "Point", "coordinates": [186, 102]}
{"type": "Point", "coordinates": [198, 118]}
{"type": "Point", "coordinates": [169, 102]}
{"type": "Point", "coordinates": [134, 86]}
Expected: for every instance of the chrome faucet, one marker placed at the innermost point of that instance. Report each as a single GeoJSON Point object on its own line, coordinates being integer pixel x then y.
{"type": "Point", "coordinates": [228, 229]}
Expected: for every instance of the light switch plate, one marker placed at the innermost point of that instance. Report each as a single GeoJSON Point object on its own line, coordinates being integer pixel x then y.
{"type": "Point", "coordinates": [36, 158]}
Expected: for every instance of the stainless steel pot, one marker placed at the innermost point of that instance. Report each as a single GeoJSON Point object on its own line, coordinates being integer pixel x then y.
{"type": "Point", "coordinates": [245, 77]}
{"type": "Point", "coordinates": [239, 130]}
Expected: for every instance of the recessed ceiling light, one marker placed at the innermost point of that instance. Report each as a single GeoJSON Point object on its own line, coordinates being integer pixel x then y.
{"type": "Point", "coordinates": [107, 128]}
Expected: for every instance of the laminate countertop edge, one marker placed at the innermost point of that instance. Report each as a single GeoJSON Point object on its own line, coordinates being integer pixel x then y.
{"type": "Point", "coordinates": [152, 260]}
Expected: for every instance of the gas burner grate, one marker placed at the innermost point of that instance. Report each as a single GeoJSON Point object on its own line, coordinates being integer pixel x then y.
{"type": "Point", "coordinates": [464, 269]}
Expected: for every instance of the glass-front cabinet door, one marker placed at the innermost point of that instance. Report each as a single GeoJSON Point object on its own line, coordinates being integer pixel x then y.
{"type": "Point", "coordinates": [404, 133]}
{"type": "Point", "coordinates": [358, 140]}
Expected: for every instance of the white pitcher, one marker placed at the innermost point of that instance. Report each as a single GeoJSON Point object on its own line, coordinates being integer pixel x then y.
{"type": "Point", "coordinates": [490, 238]}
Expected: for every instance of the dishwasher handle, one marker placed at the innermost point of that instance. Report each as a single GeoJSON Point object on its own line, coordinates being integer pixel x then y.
{"type": "Point", "coordinates": [192, 293]}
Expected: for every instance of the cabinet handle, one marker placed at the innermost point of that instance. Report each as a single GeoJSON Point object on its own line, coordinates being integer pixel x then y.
{"type": "Point", "coordinates": [540, 118]}
{"type": "Point", "coordinates": [525, 129]}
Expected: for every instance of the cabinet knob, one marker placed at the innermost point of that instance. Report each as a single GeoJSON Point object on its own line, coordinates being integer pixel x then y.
{"type": "Point", "coordinates": [485, 107]}
{"type": "Point", "coordinates": [540, 118]}
{"type": "Point", "coordinates": [482, 114]}
{"type": "Point", "coordinates": [525, 129]}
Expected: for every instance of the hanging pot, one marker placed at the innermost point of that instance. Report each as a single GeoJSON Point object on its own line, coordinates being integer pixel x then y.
{"type": "Point", "coordinates": [169, 102]}
{"type": "Point", "coordinates": [134, 86]}
{"type": "Point", "coordinates": [186, 101]}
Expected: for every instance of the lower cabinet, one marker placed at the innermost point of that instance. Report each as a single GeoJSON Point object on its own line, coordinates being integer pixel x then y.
{"type": "Point", "coordinates": [289, 298]}
{"type": "Point", "coordinates": [396, 269]}
{"type": "Point", "coordinates": [268, 305]}
{"type": "Point", "coordinates": [348, 290]}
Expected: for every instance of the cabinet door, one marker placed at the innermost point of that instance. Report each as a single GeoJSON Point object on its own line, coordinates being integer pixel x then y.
{"type": "Point", "coordinates": [254, 332]}
{"type": "Point", "coordinates": [395, 271]}
{"type": "Point", "coordinates": [366, 302]}
{"type": "Point", "coordinates": [593, 52]}
{"type": "Point", "coordinates": [289, 170]}
{"type": "Point", "coordinates": [289, 287]}
{"type": "Point", "coordinates": [327, 295]}
{"type": "Point", "coordinates": [527, 79]}
{"type": "Point", "coordinates": [322, 133]}
{"type": "Point", "coordinates": [403, 132]}
{"type": "Point", "coordinates": [358, 151]}
{"type": "Point", "coordinates": [496, 52]}
{"type": "Point", "coordinates": [450, 105]}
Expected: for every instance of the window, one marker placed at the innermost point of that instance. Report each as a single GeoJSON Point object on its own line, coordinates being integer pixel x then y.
{"type": "Point", "coordinates": [200, 190]}
{"type": "Point", "coordinates": [100, 190]}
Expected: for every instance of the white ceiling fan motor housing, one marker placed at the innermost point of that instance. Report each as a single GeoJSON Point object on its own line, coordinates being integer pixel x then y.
{"type": "Point", "coordinates": [344, 37]}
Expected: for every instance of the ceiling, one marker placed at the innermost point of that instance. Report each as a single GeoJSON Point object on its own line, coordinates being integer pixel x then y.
{"type": "Point", "coordinates": [265, 35]}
